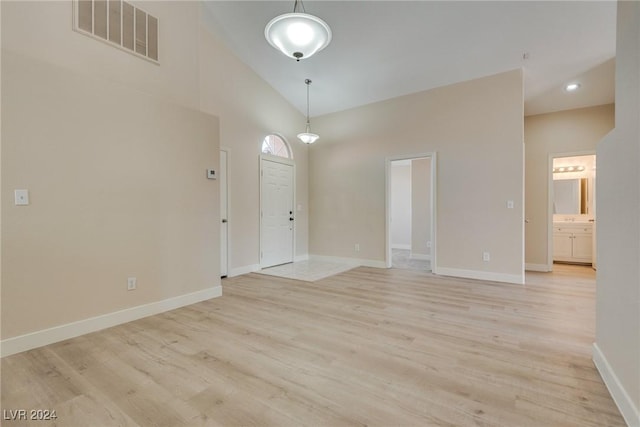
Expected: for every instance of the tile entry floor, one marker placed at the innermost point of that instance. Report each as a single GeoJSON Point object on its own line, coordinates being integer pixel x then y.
{"type": "Point", "coordinates": [308, 271]}
{"type": "Point", "coordinates": [401, 258]}
{"type": "Point", "coordinates": [314, 269]}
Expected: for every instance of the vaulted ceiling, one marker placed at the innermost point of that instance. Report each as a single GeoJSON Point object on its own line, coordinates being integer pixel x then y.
{"type": "Point", "coordinates": [385, 49]}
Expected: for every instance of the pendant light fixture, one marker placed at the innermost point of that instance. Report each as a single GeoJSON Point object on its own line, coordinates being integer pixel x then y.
{"type": "Point", "coordinates": [307, 137]}
{"type": "Point", "coordinates": [298, 35]}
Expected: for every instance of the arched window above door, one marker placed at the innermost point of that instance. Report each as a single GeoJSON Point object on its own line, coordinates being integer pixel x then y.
{"type": "Point", "coordinates": [275, 145]}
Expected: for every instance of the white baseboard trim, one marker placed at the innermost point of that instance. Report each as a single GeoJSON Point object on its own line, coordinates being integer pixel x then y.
{"type": "Point", "coordinates": [421, 257]}
{"type": "Point", "coordinates": [246, 269]}
{"type": "Point", "coordinates": [537, 267]}
{"type": "Point", "coordinates": [71, 330]}
{"type": "Point", "coordinates": [352, 261]}
{"type": "Point", "coordinates": [400, 246]}
{"type": "Point", "coordinates": [629, 411]}
{"type": "Point", "coordinates": [481, 275]}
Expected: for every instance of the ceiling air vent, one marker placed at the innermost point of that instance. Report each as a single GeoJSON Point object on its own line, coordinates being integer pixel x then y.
{"type": "Point", "coordinates": [120, 24]}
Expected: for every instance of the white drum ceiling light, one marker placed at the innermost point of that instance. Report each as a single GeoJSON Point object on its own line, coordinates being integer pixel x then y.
{"type": "Point", "coordinates": [298, 35]}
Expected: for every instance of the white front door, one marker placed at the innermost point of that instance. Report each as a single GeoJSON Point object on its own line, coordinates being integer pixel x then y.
{"type": "Point", "coordinates": [224, 215]}
{"type": "Point", "coordinates": [276, 213]}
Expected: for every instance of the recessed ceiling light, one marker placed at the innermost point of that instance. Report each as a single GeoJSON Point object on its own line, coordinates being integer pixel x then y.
{"type": "Point", "coordinates": [572, 87]}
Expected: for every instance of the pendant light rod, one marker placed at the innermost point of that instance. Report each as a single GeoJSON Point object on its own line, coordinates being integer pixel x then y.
{"type": "Point", "coordinates": [307, 136]}
{"type": "Point", "coordinates": [295, 6]}
{"type": "Point", "coordinates": [307, 82]}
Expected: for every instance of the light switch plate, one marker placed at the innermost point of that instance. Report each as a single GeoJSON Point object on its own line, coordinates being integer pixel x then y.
{"type": "Point", "coordinates": [22, 197]}
{"type": "Point", "coordinates": [211, 174]}
{"type": "Point", "coordinates": [509, 204]}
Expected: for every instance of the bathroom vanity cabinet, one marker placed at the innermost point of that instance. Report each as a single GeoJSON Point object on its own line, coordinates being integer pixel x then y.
{"type": "Point", "coordinates": [573, 242]}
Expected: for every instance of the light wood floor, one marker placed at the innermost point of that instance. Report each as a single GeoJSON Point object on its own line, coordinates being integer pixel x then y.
{"type": "Point", "coordinates": [366, 347]}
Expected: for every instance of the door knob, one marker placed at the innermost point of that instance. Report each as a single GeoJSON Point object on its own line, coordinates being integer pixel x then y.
{"type": "Point", "coordinates": [290, 219]}
{"type": "Point", "coordinates": [224, 221]}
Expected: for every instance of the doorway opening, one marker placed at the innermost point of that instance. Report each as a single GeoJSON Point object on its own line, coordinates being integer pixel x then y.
{"type": "Point", "coordinates": [411, 212]}
{"type": "Point", "coordinates": [572, 209]}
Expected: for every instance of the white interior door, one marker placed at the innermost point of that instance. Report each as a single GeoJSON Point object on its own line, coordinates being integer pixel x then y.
{"type": "Point", "coordinates": [276, 213]}
{"type": "Point", "coordinates": [224, 215]}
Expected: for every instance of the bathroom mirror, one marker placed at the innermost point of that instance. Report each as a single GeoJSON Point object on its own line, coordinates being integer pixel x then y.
{"type": "Point", "coordinates": [570, 196]}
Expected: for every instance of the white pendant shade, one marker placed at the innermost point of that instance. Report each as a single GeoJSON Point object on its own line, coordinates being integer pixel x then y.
{"type": "Point", "coordinates": [308, 137]}
{"type": "Point", "coordinates": [298, 35]}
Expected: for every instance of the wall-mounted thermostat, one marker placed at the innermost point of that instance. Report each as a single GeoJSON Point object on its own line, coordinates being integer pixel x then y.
{"type": "Point", "coordinates": [22, 197]}
{"type": "Point", "coordinates": [211, 174]}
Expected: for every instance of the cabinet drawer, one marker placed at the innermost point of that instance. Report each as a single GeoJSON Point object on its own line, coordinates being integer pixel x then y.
{"type": "Point", "coordinates": [582, 230]}
{"type": "Point", "coordinates": [573, 228]}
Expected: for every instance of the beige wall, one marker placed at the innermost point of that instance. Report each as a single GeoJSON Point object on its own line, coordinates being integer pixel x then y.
{"type": "Point", "coordinates": [249, 109]}
{"type": "Point", "coordinates": [195, 73]}
{"type": "Point", "coordinates": [421, 206]}
{"type": "Point", "coordinates": [475, 127]}
{"type": "Point", "coordinates": [118, 188]}
{"type": "Point", "coordinates": [617, 349]}
{"type": "Point", "coordinates": [43, 30]}
{"type": "Point", "coordinates": [572, 131]}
